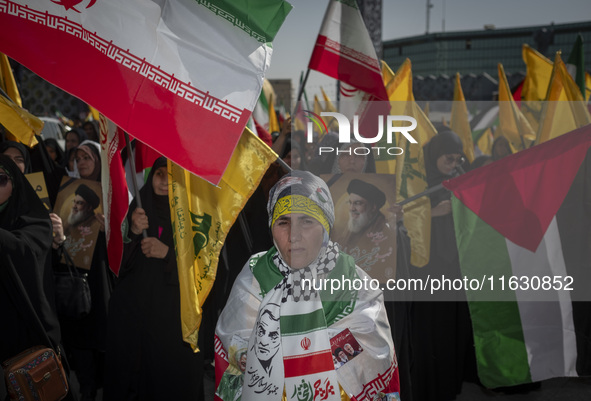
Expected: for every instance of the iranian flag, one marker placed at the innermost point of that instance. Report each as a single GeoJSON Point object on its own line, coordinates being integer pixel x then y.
{"type": "Point", "coordinates": [523, 227]}
{"type": "Point", "coordinates": [344, 50]}
{"type": "Point", "coordinates": [182, 76]}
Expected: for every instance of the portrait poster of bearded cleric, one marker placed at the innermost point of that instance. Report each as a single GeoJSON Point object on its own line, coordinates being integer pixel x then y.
{"type": "Point", "coordinates": [78, 202]}
{"type": "Point", "coordinates": [365, 228]}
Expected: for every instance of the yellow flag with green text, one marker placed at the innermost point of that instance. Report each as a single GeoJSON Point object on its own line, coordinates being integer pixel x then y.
{"type": "Point", "coordinates": [538, 70]}
{"type": "Point", "coordinates": [7, 81]}
{"type": "Point", "coordinates": [460, 122]}
{"type": "Point", "coordinates": [512, 123]}
{"type": "Point", "coordinates": [21, 125]}
{"type": "Point", "coordinates": [202, 214]}
{"type": "Point", "coordinates": [409, 167]}
{"type": "Point", "coordinates": [564, 109]}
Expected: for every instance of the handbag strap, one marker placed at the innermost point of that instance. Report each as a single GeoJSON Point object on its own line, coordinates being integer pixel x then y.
{"type": "Point", "coordinates": [29, 305]}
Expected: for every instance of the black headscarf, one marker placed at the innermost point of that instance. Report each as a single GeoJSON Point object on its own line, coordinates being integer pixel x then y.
{"type": "Point", "coordinates": [157, 209]}
{"type": "Point", "coordinates": [444, 143]}
{"type": "Point", "coordinates": [22, 149]}
{"type": "Point", "coordinates": [25, 241]}
{"type": "Point", "coordinates": [80, 133]}
{"type": "Point", "coordinates": [52, 143]}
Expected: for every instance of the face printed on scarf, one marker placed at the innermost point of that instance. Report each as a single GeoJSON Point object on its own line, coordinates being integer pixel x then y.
{"type": "Point", "coordinates": [17, 157]}
{"type": "Point", "coordinates": [6, 189]}
{"type": "Point", "coordinates": [343, 356]}
{"type": "Point", "coordinates": [299, 239]}
{"type": "Point", "coordinates": [85, 164]}
{"type": "Point", "coordinates": [242, 362]}
{"type": "Point", "coordinates": [160, 181]}
{"type": "Point", "coordinates": [268, 338]}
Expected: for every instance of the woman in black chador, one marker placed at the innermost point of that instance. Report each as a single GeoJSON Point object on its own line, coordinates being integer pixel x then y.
{"type": "Point", "coordinates": [147, 358]}
{"type": "Point", "coordinates": [25, 242]}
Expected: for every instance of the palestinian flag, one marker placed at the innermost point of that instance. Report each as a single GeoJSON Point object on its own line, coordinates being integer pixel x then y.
{"type": "Point", "coordinates": [524, 223]}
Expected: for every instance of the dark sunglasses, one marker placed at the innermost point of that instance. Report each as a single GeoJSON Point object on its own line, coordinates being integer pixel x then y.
{"type": "Point", "coordinates": [4, 179]}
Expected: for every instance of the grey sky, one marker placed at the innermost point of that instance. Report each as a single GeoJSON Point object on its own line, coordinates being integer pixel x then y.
{"type": "Point", "coordinates": [403, 18]}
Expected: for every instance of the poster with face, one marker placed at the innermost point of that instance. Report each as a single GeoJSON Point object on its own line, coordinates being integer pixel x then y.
{"type": "Point", "coordinates": [344, 348]}
{"type": "Point", "coordinates": [365, 225]}
{"type": "Point", "coordinates": [78, 202]}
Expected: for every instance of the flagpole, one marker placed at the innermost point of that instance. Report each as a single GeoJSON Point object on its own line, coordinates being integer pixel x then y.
{"type": "Point", "coordinates": [136, 190]}
{"type": "Point", "coordinates": [302, 85]}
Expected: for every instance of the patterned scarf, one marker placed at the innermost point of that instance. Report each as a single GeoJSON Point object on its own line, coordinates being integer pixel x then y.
{"type": "Point", "coordinates": [290, 339]}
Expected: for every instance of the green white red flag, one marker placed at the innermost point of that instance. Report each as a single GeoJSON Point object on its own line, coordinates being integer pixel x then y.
{"type": "Point", "coordinates": [523, 230]}
{"type": "Point", "coordinates": [181, 76]}
{"type": "Point", "coordinates": [344, 50]}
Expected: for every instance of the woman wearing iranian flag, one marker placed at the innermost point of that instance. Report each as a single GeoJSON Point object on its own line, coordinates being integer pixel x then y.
{"type": "Point", "coordinates": [293, 305]}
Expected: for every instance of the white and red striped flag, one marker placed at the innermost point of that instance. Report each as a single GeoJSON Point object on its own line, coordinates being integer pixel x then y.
{"type": "Point", "coordinates": [183, 76]}
{"type": "Point", "coordinates": [115, 193]}
{"type": "Point", "coordinates": [344, 50]}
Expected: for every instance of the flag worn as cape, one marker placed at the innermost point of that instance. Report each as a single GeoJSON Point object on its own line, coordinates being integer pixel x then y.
{"type": "Point", "coordinates": [153, 71]}
{"type": "Point", "coordinates": [114, 185]}
{"type": "Point", "coordinates": [525, 221]}
{"type": "Point", "coordinates": [202, 215]}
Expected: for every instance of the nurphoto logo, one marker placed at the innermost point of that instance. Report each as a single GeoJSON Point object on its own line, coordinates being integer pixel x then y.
{"type": "Point", "coordinates": [345, 133]}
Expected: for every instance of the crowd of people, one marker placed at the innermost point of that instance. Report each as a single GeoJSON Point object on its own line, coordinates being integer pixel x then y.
{"type": "Point", "coordinates": [130, 344]}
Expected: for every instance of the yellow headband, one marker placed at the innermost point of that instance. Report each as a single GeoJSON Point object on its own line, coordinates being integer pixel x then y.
{"type": "Point", "coordinates": [299, 204]}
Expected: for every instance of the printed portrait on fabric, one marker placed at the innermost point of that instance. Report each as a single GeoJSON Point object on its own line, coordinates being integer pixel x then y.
{"type": "Point", "coordinates": [364, 227]}
{"type": "Point", "coordinates": [344, 348]}
{"type": "Point", "coordinates": [230, 387]}
{"type": "Point", "coordinates": [78, 202]}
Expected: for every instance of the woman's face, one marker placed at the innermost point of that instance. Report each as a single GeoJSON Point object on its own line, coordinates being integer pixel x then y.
{"type": "Point", "coordinates": [72, 140]}
{"type": "Point", "coordinates": [447, 163]}
{"type": "Point", "coordinates": [293, 159]}
{"type": "Point", "coordinates": [352, 163]}
{"type": "Point", "coordinates": [5, 186]}
{"type": "Point", "coordinates": [52, 153]}
{"type": "Point", "coordinates": [160, 181]}
{"type": "Point", "coordinates": [85, 164]}
{"type": "Point", "coordinates": [71, 161]}
{"type": "Point", "coordinates": [299, 239]}
{"type": "Point", "coordinates": [17, 157]}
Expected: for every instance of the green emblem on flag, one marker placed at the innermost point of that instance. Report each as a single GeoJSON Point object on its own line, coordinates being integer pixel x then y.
{"type": "Point", "coordinates": [201, 226]}
{"type": "Point", "coordinates": [303, 391]}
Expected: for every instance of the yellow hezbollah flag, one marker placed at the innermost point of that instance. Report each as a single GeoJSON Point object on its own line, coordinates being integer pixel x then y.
{"type": "Point", "coordinates": [513, 124]}
{"type": "Point", "coordinates": [202, 214]}
{"type": "Point", "coordinates": [411, 177]}
{"type": "Point", "coordinates": [7, 81]}
{"type": "Point", "coordinates": [460, 123]}
{"type": "Point", "coordinates": [485, 142]}
{"type": "Point", "coordinates": [273, 122]}
{"type": "Point", "coordinates": [564, 109]}
{"type": "Point", "coordinates": [331, 122]}
{"type": "Point", "coordinates": [538, 70]}
{"type": "Point", "coordinates": [22, 125]}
